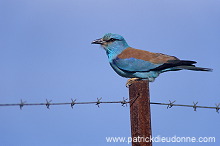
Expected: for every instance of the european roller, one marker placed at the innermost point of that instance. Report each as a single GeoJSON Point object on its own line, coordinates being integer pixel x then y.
{"type": "Point", "coordinates": [137, 64]}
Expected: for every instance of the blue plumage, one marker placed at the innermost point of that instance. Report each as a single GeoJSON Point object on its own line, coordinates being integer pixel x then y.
{"type": "Point", "coordinates": [134, 63]}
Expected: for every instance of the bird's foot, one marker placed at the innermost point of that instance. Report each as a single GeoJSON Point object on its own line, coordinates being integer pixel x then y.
{"type": "Point", "coordinates": [130, 81]}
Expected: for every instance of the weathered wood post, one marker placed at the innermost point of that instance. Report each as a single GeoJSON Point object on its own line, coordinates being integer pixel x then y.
{"type": "Point", "coordinates": [140, 114]}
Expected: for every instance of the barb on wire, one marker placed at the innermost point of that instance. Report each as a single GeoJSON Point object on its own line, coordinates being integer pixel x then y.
{"type": "Point", "coordinates": [73, 103]}
{"type": "Point", "coordinates": [171, 104]}
{"type": "Point", "coordinates": [98, 101]}
{"type": "Point", "coordinates": [48, 103]}
{"type": "Point", "coordinates": [123, 102]}
{"type": "Point", "coordinates": [22, 104]}
{"type": "Point", "coordinates": [194, 105]}
{"type": "Point", "coordinates": [217, 107]}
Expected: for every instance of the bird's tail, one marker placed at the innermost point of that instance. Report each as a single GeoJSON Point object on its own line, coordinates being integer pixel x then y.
{"type": "Point", "coordinates": [176, 65]}
{"type": "Point", "coordinates": [194, 68]}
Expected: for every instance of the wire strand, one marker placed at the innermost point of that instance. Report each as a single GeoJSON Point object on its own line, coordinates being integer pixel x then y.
{"type": "Point", "coordinates": [123, 102]}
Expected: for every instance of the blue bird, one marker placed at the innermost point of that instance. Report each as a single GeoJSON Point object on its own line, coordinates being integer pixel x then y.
{"type": "Point", "coordinates": [139, 64]}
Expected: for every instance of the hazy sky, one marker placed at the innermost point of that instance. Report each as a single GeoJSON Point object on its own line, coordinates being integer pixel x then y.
{"type": "Point", "coordinates": [46, 53]}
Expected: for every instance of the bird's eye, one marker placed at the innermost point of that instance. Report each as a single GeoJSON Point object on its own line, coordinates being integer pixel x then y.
{"type": "Point", "coordinates": [112, 40]}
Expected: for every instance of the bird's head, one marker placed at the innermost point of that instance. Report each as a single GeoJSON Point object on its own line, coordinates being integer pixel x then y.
{"type": "Point", "coordinates": [112, 42]}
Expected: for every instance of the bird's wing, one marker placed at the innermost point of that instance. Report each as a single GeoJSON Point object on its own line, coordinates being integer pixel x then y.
{"type": "Point", "coordinates": [134, 60]}
{"type": "Point", "coordinates": [134, 65]}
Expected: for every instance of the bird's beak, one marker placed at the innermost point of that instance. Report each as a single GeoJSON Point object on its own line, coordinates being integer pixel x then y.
{"type": "Point", "coordinates": [98, 41]}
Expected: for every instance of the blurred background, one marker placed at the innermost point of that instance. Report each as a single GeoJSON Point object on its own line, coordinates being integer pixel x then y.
{"type": "Point", "coordinates": [46, 53]}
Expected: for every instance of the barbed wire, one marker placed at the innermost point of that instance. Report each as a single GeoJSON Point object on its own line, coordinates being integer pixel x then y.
{"type": "Point", "coordinates": [48, 103]}
{"type": "Point", "coordinates": [123, 103]}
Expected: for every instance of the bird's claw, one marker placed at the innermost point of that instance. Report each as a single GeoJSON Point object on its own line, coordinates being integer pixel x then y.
{"type": "Point", "coordinates": [130, 81]}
